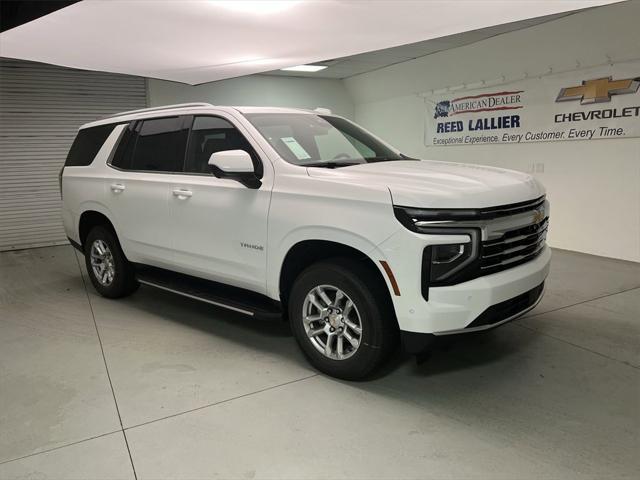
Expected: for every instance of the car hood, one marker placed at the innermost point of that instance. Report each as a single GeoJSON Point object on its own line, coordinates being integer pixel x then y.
{"type": "Point", "coordinates": [433, 184]}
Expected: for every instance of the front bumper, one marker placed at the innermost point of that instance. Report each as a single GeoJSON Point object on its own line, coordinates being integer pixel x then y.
{"type": "Point", "coordinates": [451, 309]}
{"type": "Point", "coordinates": [492, 317]}
{"type": "Point", "coordinates": [502, 312]}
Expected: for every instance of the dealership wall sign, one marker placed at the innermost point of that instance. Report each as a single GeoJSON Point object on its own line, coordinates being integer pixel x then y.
{"type": "Point", "coordinates": [587, 104]}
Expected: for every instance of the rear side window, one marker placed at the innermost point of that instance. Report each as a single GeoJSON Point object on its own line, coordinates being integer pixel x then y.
{"type": "Point", "coordinates": [156, 145]}
{"type": "Point", "coordinates": [160, 145]}
{"type": "Point", "coordinates": [124, 152]}
{"type": "Point", "coordinates": [87, 144]}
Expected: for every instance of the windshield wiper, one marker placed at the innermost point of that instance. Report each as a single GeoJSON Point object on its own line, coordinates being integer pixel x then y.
{"type": "Point", "coordinates": [381, 159]}
{"type": "Point", "coordinates": [330, 164]}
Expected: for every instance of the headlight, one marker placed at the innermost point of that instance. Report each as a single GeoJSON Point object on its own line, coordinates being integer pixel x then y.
{"type": "Point", "coordinates": [443, 262]}
{"type": "Point", "coordinates": [447, 253]}
{"type": "Point", "coordinates": [449, 263]}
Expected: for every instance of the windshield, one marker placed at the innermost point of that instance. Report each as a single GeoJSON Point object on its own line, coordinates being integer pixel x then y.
{"type": "Point", "coordinates": [320, 140]}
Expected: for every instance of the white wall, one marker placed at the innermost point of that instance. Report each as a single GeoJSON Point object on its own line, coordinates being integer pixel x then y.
{"type": "Point", "coordinates": [594, 186]}
{"type": "Point", "coordinates": [258, 90]}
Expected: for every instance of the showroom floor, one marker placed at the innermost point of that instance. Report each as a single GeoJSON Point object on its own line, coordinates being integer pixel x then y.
{"type": "Point", "coordinates": [201, 392]}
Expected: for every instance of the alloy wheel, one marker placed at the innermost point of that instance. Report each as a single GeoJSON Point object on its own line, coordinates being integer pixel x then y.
{"type": "Point", "coordinates": [332, 322]}
{"type": "Point", "coordinates": [102, 262]}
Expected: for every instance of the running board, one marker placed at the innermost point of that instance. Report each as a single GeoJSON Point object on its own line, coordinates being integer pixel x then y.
{"type": "Point", "coordinates": [213, 293]}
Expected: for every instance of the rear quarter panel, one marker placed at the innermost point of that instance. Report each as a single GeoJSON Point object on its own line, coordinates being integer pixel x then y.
{"type": "Point", "coordinates": [83, 188]}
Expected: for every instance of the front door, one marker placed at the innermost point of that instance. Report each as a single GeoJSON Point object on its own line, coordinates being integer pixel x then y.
{"type": "Point", "coordinates": [220, 226]}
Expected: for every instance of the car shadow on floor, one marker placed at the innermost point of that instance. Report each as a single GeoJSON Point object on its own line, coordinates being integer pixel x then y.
{"type": "Point", "coordinates": [456, 353]}
{"type": "Point", "coordinates": [274, 336]}
{"type": "Point", "coordinates": [448, 354]}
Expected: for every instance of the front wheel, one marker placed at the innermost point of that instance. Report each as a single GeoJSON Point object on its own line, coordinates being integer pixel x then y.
{"type": "Point", "coordinates": [341, 318]}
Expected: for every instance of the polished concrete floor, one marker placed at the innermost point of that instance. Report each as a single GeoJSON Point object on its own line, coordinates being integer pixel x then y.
{"type": "Point", "coordinates": [158, 386]}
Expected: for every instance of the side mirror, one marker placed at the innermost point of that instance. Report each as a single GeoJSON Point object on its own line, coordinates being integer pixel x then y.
{"type": "Point", "coordinates": [235, 165]}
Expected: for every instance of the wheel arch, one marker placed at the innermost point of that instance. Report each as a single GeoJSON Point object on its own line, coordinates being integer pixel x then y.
{"type": "Point", "coordinates": [90, 219]}
{"type": "Point", "coordinates": [307, 252]}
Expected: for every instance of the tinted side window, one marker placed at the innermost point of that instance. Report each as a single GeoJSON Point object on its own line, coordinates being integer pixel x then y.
{"type": "Point", "coordinates": [215, 134]}
{"type": "Point", "coordinates": [159, 146]}
{"type": "Point", "coordinates": [124, 151]}
{"type": "Point", "coordinates": [87, 144]}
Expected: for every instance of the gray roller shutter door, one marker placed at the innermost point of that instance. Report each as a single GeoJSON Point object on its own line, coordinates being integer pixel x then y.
{"type": "Point", "coordinates": [41, 108]}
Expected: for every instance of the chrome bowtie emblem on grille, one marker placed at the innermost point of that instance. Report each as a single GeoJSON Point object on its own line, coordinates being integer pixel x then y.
{"type": "Point", "coordinates": [538, 216]}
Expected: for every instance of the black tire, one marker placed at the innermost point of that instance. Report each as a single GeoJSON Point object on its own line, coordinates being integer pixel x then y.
{"type": "Point", "coordinates": [124, 280]}
{"type": "Point", "coordinates": [370, 296]}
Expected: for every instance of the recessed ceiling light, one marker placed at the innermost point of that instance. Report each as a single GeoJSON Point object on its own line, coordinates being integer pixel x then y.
{"type": "Point", "coordinates": [305, 68]}
{"type": "Point", "coordinates": [256, 6]}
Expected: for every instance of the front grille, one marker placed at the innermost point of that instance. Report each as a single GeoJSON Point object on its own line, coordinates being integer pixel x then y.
{"type": "Point", "coordinates": [513, 248]}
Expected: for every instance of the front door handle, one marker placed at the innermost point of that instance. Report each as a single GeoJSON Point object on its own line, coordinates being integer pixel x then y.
{"type": "Point", "coordinates": [182, 194]}
{"type": "Point", "coordinates": [117, 187]}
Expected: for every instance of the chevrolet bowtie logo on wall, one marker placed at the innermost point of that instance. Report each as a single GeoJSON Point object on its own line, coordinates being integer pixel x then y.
{"type": "Point", "coordinates": [598, 90]}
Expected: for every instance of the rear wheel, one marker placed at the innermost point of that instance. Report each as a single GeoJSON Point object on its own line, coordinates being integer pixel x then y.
{"type": "Point", "coordinates": [341, 318]}
{"type": "Point", "coordinates": [110, 272]}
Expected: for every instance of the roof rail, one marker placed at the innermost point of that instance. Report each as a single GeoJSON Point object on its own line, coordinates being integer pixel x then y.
{"type": "Point", "coordinates": [157, 109]}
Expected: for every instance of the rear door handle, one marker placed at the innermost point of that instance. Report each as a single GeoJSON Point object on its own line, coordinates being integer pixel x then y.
{"type": "Point", "coordinates": [182, 194]}
{"type": "Point", "coordinates": [117, 187]}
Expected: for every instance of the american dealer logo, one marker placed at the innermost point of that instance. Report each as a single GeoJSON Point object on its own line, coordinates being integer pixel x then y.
{"type": "Point", "coordinates": [598, 90]}
{"type": "Point", "coordinates": [486, 102]}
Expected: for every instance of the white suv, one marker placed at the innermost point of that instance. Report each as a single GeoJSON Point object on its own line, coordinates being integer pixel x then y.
{"type": "Point", "coordinates": [304, 215]}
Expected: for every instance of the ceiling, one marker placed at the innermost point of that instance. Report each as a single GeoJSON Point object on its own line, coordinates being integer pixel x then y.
{"type": "Point", "coordinates": [366, 62]}
{"type": "Point", "coordinates": [198, 41]}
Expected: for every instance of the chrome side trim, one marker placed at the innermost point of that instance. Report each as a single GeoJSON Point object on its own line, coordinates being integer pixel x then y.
{"type": "Point", "coordinates": [491, 325]}
{"type": "Point", "coordinates": [228, 307]}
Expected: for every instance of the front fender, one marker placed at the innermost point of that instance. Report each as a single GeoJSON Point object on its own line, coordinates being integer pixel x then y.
{"type": "Point", "coordinates": [323, 233]}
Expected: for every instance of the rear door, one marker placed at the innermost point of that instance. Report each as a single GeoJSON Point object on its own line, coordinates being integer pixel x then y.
{"type": "Point", "coordinates": [139, 186]}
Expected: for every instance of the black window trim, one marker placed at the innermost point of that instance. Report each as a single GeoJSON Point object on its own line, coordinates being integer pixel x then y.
{"type": "Point", "coordinates": [134, 125]}
{"type": "Point", "coordinates": [188, 120]}
{"type": "Point", "coordinates": [260, 162]}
